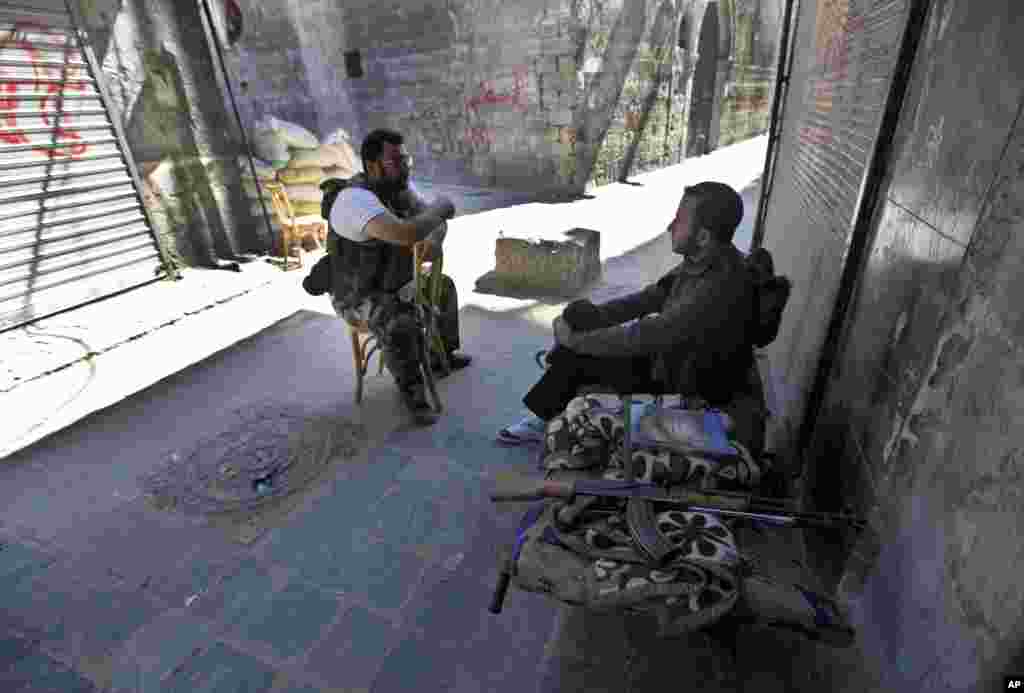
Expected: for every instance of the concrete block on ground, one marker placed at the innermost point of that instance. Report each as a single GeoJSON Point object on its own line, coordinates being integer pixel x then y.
{"type": "Point", "coordinates": [556, 267]}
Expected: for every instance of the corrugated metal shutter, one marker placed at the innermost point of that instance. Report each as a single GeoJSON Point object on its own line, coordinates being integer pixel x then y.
{"type": "Point", "coordinates": [845, 55]}
{"type": "Point", "coordinates": [856, 43]}
{"type": "Point", "coordinates": [72, 224]}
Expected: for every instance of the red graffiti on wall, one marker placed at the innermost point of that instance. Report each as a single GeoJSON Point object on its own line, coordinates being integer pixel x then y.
{"type": "Point", "coordinates": [68, 139]}
{"type": "Point", "coordinates": [478, 136]}
{"type": "Point", "coordinates": [486, 95]}
{"type": "Point", "coordinates": [815, 136]}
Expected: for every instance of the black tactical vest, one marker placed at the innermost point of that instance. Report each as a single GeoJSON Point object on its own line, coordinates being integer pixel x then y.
{"type": "Point", "coordinates": [373, 266]}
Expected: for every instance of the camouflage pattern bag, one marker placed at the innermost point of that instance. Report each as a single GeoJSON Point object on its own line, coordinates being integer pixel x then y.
{"type": "Point", "coordinates": [591, 561]}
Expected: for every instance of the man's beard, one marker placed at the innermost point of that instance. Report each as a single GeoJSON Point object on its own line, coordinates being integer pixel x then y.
{"type": "Point", "coordinates": [692, 248]}
{"type": "Point", "coordinates": [392, 187]}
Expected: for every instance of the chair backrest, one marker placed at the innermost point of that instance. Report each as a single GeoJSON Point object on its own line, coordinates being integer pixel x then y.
{"type": "Point", "coordinates": [419, 249]}
{"type": "Point", "coordinates": [282, 205]}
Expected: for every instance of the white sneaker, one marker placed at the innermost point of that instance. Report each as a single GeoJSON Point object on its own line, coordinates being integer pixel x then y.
{"type": "Point", "coordinates": [529, 430]}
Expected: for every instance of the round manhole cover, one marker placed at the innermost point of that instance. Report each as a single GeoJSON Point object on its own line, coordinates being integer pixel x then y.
{"type": "Point", "coordinates": [272, 451]}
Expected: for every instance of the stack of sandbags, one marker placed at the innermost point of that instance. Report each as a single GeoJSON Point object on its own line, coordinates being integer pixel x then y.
{"type": "Point", "coordinates": [292, 156]}
{"type": "Point", "coordinates": [308, 167]}
{"type": "Point", "coordinates": [268, 142]}
{"type": "Point", "coordinates": [348, 162]}
{"type": "Point", "coordinates": [299, 179]}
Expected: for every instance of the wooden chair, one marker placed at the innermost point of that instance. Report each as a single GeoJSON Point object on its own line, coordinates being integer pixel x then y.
{"type": "Point", "coordinates": [364, 343]}
{"type": "Point", "coordinates": [292, 226]}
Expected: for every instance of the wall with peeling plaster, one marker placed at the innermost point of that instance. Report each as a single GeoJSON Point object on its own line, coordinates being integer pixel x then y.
{"type": "Point", "coordinates": [480, 88]}
{"type": "Point", "coordinates": [921, 426]}
{"type": "Point", "coordinates": [484, 90]}
{"type": "Point", "coordinates": [158, 68]}
{"type": "Point", "coordinates": [744, 67]}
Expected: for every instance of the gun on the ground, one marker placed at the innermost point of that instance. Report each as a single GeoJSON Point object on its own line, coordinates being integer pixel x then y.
{"type": "Point", "coordinates": [501, 589]}
{"type": "Point", "coordinates": [736, 505]}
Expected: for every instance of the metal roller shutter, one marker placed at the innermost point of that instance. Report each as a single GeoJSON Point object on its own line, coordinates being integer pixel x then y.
{"type": "Point", "coordinates": [72, 224]}
{"type": "Point", "coordinates": [845, 53]}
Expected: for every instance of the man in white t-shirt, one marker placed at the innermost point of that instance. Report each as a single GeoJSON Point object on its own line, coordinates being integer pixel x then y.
{"type": "Point", "coordinates": [382, 215]}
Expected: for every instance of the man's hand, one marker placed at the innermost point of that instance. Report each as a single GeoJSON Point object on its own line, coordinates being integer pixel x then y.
{"type": "Point", "coordinates": [563, 333]}
{"type": "Point", "coordinates": [582, 315]}
{"type": "Point", "coordinates": [444, 207]}
{"type": "Point", "coordinates": [432, 244]}
{"type": "Point", "coordinates": [437, 236]}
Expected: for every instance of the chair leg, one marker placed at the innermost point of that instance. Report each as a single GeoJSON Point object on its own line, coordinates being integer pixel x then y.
{"type": "Point", "coordinates": [428, 376]}
{"type": "Point", "coordinates": [357, 356]}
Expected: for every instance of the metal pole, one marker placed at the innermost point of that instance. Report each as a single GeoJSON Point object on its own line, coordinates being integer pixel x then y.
{"type": "Point", "coordinates": [782, 72]}
{"type": "Point", "coordinates": [213, 38]}
{"type": "Point", "coordinates": [627, 437]}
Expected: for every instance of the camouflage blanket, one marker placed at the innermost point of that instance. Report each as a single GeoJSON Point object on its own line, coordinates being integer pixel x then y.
{"type": "Point", "coordinates": [583, 553]}
{"type": "Point", "coordinates": [671, 446]}
{"type": "Point", "coordinates": [592, 562]}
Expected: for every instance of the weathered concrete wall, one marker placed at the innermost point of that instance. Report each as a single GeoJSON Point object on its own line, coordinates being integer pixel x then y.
{"type": "Point", "coordinates": [747, 50]}
{"type": "Point", "coordinates": [922, 414]}
{"type": "Point", "coordinates": [480, 88]}
{"type": "Point", "coordinates": [162, 78]}
{"type": "Point", "coordinates": [746, 104]}
{"type": "Point", "coordinates": [485, 90]}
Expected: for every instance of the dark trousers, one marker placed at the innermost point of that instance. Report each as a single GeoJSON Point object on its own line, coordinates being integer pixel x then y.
{"type": "Point", "coordinates": [569, 371]}
{"type": "Point", "coordinates": [394, 324]}
{"type": "Point", "coordinates": [448, 320]}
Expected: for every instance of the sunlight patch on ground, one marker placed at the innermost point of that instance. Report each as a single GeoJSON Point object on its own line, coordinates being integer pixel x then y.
{"type": "Point", "coordinates": [627, 216]}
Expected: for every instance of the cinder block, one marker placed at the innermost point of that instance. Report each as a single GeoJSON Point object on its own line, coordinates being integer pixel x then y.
{"type": "Point", "coordinates": [549, 266]}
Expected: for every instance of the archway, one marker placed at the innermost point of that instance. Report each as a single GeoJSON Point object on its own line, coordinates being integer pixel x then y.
{"type": "Point", "coordinates": [702, 98]}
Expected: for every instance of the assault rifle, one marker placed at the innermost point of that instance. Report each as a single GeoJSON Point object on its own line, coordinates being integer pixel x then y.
{"type": "Point", "coordinates": [770, 511]}
{"type": "Point", "coordinates": [641, 519]}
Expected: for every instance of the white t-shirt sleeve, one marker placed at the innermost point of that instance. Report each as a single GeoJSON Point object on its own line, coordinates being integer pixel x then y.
{"type": "Point", "coordinates": [352, 211]}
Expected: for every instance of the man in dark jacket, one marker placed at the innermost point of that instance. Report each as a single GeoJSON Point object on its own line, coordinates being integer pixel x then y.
{"type": "Point", "coordinates": [689, 333]}
{"type": "Point", "coordinates": [374, 222]}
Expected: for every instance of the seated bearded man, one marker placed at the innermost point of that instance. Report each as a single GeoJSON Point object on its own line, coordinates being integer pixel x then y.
{"type": "Point", "coordinates": [374, 223]}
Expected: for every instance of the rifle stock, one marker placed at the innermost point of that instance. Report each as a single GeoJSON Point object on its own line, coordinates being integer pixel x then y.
{"type": "Point", "coordinates": [515, 487]}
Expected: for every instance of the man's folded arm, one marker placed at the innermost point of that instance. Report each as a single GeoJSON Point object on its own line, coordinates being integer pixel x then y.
{"type": "Point", "coordinates": [635, 305]}
{"type": "Point", "coordinates": [390, 229]}
{"type": "Point", "coordinates": [703, 313]}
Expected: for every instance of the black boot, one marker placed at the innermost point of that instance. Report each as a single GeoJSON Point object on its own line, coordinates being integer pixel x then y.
{"type": "Point", "coordinates": [415, 399]}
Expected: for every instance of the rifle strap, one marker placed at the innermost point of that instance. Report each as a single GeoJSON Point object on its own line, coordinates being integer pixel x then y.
{"type": "Point", "coordinates": [643, 527]}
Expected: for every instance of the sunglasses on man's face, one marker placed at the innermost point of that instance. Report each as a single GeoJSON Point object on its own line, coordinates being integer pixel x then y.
{"type": "Point", "coordinates": [404, 160]}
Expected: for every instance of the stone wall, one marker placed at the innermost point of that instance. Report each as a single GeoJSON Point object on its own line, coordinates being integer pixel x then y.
{"type": "Point", "coordinates": [486, 92]}
{"type": "Point", "coordinates": [748, 50]}
{"type": "Point", "coordinates": [480, 88]}
{"type": "Point", "coordinates": [746, 108]}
